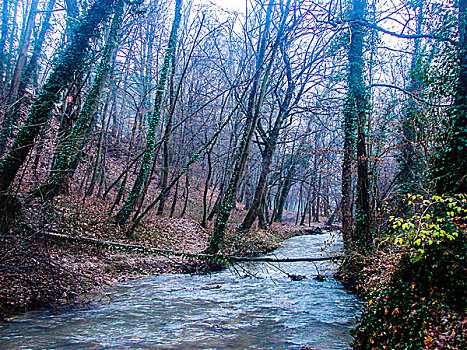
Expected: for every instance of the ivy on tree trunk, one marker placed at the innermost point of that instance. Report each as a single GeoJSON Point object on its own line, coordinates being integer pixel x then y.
{"type": "Point", "coordinates": [71, 145]}
{"type": "Point", "coordinates": [355, 120]}
{"type": "Point", "coordinates": [70, 61]}
{"type": "Point", "coordinates": [451, 166]}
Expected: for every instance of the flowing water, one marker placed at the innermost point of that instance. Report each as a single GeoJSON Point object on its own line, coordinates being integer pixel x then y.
{"type": "Point", "coordinates": [226, 310]}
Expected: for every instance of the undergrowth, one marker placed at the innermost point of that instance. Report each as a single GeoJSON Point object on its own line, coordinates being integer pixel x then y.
{"type": "Point", "coordinates": [422, 305]}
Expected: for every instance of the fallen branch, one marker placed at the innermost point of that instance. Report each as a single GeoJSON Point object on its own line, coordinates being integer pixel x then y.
{"type": "Point", "coordinates": [168, 252]}
{"type": "Point", "coordinates": [124, 246]}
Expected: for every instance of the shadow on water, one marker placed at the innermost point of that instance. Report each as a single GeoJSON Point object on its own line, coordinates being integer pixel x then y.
{"type": "Point", "coordinates": [220, 311]}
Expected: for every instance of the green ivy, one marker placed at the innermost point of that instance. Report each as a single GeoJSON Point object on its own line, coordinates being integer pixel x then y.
{"type": "Point", "coordinates": [423, 305]}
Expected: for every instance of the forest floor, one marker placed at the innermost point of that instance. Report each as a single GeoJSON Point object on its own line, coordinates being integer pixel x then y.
{"type": "Point", "coordinates": [40, 271]}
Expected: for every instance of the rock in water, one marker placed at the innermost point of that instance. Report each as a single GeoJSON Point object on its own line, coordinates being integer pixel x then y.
{"type": "Point", "coordinates": [313, 231]}
{"type": "Point", "coordinates": [296, 277]}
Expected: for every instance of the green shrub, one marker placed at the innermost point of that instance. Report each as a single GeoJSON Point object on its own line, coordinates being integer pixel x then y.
{"type": "Point", "coordinates": [423, 306]}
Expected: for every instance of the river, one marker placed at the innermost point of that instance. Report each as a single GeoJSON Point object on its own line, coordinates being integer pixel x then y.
{"type": "Point", "coordinates": [226, 310]}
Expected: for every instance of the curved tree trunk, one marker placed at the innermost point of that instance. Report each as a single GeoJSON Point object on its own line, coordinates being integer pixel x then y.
{"type": "Point", "coordinates": [252, 115]}
{"type": "Point", "coordinates": [148, 157]}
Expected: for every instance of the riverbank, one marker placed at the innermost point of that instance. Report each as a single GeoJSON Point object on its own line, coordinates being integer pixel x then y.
{"type": "Point", "coordinates": [40, 271]}
{"type": "Point", "coordinates": [411, 302]}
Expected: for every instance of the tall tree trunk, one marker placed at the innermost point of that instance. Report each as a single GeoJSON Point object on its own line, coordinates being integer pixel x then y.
{"type": "Point", "coordinates": [70, 61]}
{"type": "Point", "coordinates": [206, 189]}
{"type": "Point", "coordinates": [12, 114]}
{"type": "Point", "coordinates": [186, 194]}
{"type": "Point", "coordinates": [148, 157]}
{"type": "Point", "coordinates": [3, 35]}
{"type": "Point", "coordinates": [267, 154]}
{"type": "Point", "coordinates": [284, 190]}
{"type": "Point", "coordinates": [409, 164]}
{"type": "Point", "coordinates": [299, 207]}
{"type": "Point", "coordinates": [317, 201]}
{"type": "Point", "coordinates": [451, 166]}
{"type": "Point", "coordinates": [174, 200]}
{"type": "Point", "coordinates": [363, 239]}
{"type": "Point", "coordinates": [355, 118]}
{"type": "Point", "coordinates": [166, 139]}
{"type": "Point", "coordinates": [22, 51]}
{"type": "Point", "coordinates": [307, 204]}
{"type": "Point", "coordinates": [225, 175]}
{"type": "Point", "coordinates": [11, 42]}
{"type": "Point", "coordinates": [347, 177]}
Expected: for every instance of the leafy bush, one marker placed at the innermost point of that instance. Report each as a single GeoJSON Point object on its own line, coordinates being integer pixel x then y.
{"type": "Point", "coordinates": [434, 221]}
{"type": "Point", "coordinates": [423, 306]}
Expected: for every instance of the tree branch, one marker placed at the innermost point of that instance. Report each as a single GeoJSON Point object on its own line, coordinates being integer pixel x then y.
{"type": "Point", "coordinates": [410, 94]}
{"type": "Point", "coordinates": [407, 36]}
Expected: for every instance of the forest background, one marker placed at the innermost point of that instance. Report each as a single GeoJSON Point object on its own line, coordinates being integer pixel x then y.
{"type": "Point", "coordinates": [117, 115]}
